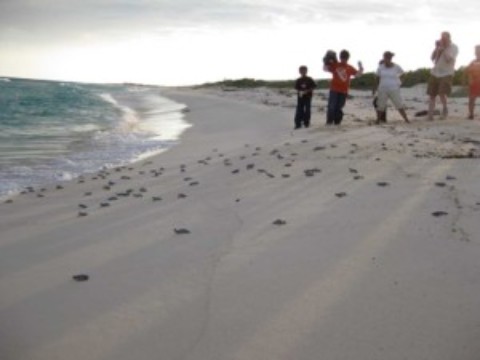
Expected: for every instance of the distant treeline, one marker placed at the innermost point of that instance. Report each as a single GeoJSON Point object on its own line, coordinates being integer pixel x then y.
{"type": "Point", "coordinates": [364, 82]}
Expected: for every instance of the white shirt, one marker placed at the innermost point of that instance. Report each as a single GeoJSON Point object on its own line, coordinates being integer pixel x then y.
{"type": "Point", "coordinates": [442, 67]}
{"type": "Point", "coordinates": [389, 77]}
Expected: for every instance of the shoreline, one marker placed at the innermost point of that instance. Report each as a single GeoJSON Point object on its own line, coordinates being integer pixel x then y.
{"type": "Point", "coordinates": [138, 117]}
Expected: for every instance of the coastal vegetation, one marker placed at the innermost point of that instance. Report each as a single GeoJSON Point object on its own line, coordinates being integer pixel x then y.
{"type": "Point", "coordinates": [364, 82]}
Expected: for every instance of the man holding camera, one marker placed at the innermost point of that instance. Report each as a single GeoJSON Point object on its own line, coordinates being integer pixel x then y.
{"type": "Point", "coordinates": [440, 82]}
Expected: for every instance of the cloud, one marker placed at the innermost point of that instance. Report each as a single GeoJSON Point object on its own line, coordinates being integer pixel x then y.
{"type": "Point", "coordinates": [54, 20]}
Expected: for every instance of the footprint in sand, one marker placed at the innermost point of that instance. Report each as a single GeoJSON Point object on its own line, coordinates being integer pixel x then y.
{"type": "Point", "coordinates": [353, 171]}
{"type": "Point", "coordinates": [82, 214]}
{"type": "Point", "coordinates": [250, 166]}
{"type": "Point", "coordinates": [383, 184]}
{"type": "Point", "coordinates": [358, 177]}
{"type": "Point", "coordinates": [87, 194]}
{"type": "Point", "coordinates": [9, 201]}
{"type": "Point", "coordinates": [105, 204]}
{"type": "Point", "coordinates": [194, 183]}
{"type": "Point", "coordinates": [450, 178]}
{"type": "Point", "coordinates": [82, 206]}
{"type": "Point", "coordinates": [181, 231]}
{"type": "Point", "coordinates": [181, 196]}
{"type": "Point", "coordinates": [440, 184]}
{"type": "Point", "coordinates": [285, 176]}
{"type": "Point", "coordinates": [341, 194]}
{"type": "Point", "coordinates": [279, 222]}
{"type": "Point", "coordinates": [439, 213]}
{"type": "Point", "coordinates": [156, 198]}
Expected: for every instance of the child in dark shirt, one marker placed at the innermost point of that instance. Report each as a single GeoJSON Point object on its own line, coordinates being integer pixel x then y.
{"type": "Point", "coordinates": [304, 86]}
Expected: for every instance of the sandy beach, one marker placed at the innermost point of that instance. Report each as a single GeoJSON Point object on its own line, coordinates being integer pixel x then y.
{"type": "Point", "coordinates": [249, 240]}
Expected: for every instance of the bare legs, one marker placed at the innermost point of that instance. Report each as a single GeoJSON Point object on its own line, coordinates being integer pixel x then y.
{"type": "Point", "coordinates": [404, 115]}
{"type": "Point", "coordinates": [471, 106]}
{"type": "Point", "coordinates": [381, 115]}
{"type": "Point", "coordinates": [431, 106]}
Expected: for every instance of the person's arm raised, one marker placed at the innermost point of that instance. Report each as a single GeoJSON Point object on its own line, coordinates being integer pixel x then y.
{"type": "Point", "coordinates": [360, 69]}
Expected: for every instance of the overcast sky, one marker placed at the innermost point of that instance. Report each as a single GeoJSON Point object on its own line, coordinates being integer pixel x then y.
{"type": "Point", "coordinates": [177, 42]}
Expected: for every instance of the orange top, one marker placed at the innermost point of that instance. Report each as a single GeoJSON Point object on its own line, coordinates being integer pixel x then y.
{"type": "Point", "coordinates": [341, 76]}
{"type": "Point", "coordinates": [473, 72]}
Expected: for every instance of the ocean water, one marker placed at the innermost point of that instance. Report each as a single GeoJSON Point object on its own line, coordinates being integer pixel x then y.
{"type": "Point", "coordinates": [54, 131]}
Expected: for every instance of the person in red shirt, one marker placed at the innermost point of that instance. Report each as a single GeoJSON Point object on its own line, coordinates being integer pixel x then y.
{"type": "Point", "coordinates": [473, 77]}
{"type": "Point", "coordinates": [339, 86]}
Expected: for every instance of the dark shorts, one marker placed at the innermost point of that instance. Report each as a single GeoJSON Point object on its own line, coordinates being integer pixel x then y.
{"type": "Point", "coordinates": [439, 85]}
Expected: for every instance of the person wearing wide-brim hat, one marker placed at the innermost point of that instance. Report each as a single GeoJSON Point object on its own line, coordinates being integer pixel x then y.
{"type": "Point", "coordinates": [388, 85]}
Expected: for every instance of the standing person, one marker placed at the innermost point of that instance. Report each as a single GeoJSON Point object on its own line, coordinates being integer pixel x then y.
{"type": "Point", "coordinates": [473, 78]}
{"type": "Point", "coordinates": [339, 86]}
{"type": "Point", "coordinates": [381, 116]}
{"type": "Point", "coordinates": [388, 84]}
{"type": "Point", "coordinates": [441, 77]}
{"type": "Point", "coordinates": [304, 86]}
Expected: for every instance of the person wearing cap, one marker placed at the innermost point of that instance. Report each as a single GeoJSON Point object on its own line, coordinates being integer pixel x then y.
{"type": "Point", "coordinates": [341, 71]}
{"type": "Point", "coordinates": [473, 77]}
{"type": "Point", "coordinates": [441, 75]}
{"type": "Point", "coordinates": [388, 86]}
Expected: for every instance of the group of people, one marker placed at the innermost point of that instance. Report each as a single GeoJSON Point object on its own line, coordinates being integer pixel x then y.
{"type": "Point", "coordinates": [387, 84]}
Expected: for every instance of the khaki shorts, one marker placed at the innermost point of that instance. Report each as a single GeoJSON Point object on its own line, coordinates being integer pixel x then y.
{"type": "Point", "coordinates": [440, 85]}
{"type": "Point", "coordinates": [392, 94]}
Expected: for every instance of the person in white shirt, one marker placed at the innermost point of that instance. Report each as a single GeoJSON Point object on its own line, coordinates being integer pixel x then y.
{"type": "Point", "coordinates": [441, 77]}
{"type": "Point", "coordinates": [388, 86]}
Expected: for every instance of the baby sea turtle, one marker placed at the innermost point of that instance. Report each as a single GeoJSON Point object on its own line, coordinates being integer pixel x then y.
{"type": "Point", "coordinates": [181, 231]}
{"type": "Point", "coordinates": [80, 277]}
